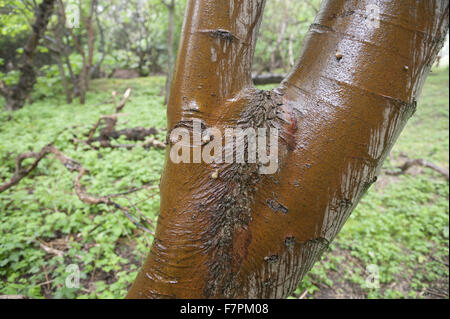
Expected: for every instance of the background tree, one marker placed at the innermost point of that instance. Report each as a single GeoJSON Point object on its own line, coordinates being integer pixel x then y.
{"type": "Point", "coordinates": [282, 34]}
{"type": "Point", "coordinates": [225, 230]}
{"type": "Point", "coordinates": [86, 52]}
{"type": "Point", "coordinates": [170, 5]}
{"type": "Point", "coordinates": [16, 96]}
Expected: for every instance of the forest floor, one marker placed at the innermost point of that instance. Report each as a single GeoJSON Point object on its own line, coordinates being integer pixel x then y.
{"type": "Point", "coordinates": [395, 244]}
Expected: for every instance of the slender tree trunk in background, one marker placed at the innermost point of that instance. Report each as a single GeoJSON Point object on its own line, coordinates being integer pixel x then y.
{"type": "Point", "coordinates": [224, 230]}
{"type": "Point", "coordinates": [62, 74]}
{"type": "Point", "coordinates": [65, 51]}
{"type": "Point", "coordinates": [276, 49]}
{"type": "Point", "coordinates": [16, 96]}
{"type": "Point", "coordinates": [82, 85]}
{"type": "Point", "coordinates": [58, 33]}
{"type": "Point", "coordinates": [170, 50]}
{"type": "Point", "coordinates": [89, 57]}
{"type": "Point", "coordinates": [95, 70]}
{"type": "Point", "coordinates": [83, 80]}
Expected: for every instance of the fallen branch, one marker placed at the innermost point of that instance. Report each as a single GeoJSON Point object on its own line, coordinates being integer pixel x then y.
{"type": "Point", "coordinates": [108, 132]}
{"type": "Point", "coordinates": [419, 162]}
{"type": "Point", "coordinates": [21, 172]}
{"type": "Point", "coordinates": [131, 134]}
{"type": "Point", "coordinates": [268, 79]}
{"type": "Point", "coordinates": [72, 165]}
{"type": "Point", "coordinates": [51, 250]}
{"type": "Point", "coordinates": [13, 297]}
{"type": "Point", "coordinates": [303, 295]}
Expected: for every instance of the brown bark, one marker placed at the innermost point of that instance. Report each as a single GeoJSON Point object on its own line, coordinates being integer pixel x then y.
{"type": "Point", "coordinates": [90, 34]}
{"type": "Point", "coordinates": [88, 58]}
{"type": "Point", "coordinates": [64, 50]}
{"type": "Point", "coordinates": [57, 47]}
{"type": "Point", "coordinates": [17, 95]}
{"type": "Point", "coordinates": [224, 230]}
{"type": "Point", "coordinates": [62, 74]}
{"type": "Point", "coordinates": [95, 70]}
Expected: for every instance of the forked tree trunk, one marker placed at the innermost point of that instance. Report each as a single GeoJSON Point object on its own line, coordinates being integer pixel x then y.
{"type": "Point", "coordinates": [17, 95]}
{"type": "Point", "coordinates": [224, 230]}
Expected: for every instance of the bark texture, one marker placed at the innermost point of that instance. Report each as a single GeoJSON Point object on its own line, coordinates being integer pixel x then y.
{"type": "Point", "coordinates": [224, 230]}
{"type": "Point", "coordinates": [16, 96]}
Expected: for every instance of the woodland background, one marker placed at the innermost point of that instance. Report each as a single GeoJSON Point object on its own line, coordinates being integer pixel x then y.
{"type": "Point", "coordinates": [395, 245]}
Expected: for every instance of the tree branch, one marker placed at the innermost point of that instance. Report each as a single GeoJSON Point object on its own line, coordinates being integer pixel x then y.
{"type": "Point", "coordinates": [419, 162]}
{"type": "Point", "coordinates": [73, 166]}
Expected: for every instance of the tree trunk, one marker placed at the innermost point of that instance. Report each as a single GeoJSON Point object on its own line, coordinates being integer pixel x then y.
{"type": "Point", "coordinates": [59, 50]}
{"type": "Point", "coordinates": [88, 59]}
{"type": "Point", "coordinates": [170, 51]}
{"type": "Point", "coordinates": [95, 71]}
{"type": "Point", "coordinates": [62, 74]}
{"type": "Point", "coordinates": [65, 51]}
{"type": "Point", "coordinates": [274, 57]}
{"type": "Point", "coordinates": [16, 96]}
{"type": "Point", "coordinates": [225, 230]}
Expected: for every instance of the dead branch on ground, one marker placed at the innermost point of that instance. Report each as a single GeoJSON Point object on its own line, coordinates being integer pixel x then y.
{"type": "Point", "coordinates": [106, 124]}
{"type": "Point", "coordinates": [419, 162]}
{"type": "Point", "coordinates": [12, 297]}
{"type": "Point", "coordinates": [73, 166]}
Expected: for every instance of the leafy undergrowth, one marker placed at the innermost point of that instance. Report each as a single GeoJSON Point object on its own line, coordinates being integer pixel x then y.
{"type": "Point", "coordinates": [43, 208]}
{"type": "Point", "coordinates": [398, 235]}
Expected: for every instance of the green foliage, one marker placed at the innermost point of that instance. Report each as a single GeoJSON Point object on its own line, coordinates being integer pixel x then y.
{"type": "Point", "coordinates": [107, 247]}
{"type": "Point", "coordinates": [400, 226]}
{"type": "Point", "coordinates": [15, 17]}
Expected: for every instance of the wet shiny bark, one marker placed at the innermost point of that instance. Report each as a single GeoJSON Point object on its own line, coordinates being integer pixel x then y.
{"type": "Point", "coordinates": [246, 235]}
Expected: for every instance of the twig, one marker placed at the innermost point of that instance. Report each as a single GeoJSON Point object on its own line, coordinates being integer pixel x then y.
{"type": "Point", "coordinates": [51, 250]}
{"type": "Point", "coordinates": [303, 295]}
